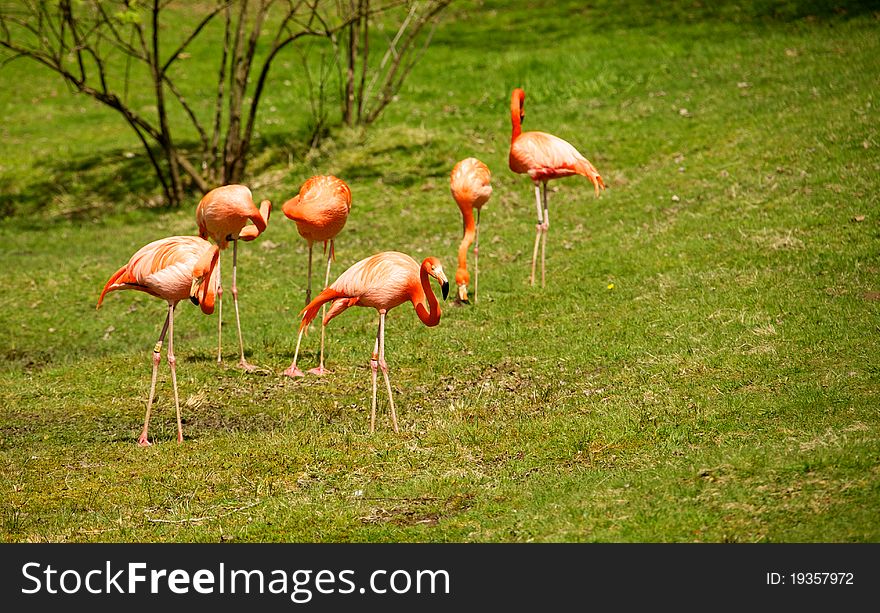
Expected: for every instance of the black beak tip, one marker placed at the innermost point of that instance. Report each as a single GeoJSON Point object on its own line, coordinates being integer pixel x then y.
{"type": "Point", "coordinates": [194, 300]}
{"type": "Point", "coordinates": [445, 288]}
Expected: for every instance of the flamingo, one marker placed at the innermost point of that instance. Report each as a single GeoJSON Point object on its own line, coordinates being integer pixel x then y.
{"type": "Point", "coordinates": [544, 157]}
{"type": "Point", "coordinates": [469, 181]}
{"type": "Point", "coordinates": [382, 281]}
{"type": "Point", "coordinates": [222, 215]}
{"type": "Point", "coordinates": [164, 268]}
{"type": "Point", "coordinates": [320, 211]}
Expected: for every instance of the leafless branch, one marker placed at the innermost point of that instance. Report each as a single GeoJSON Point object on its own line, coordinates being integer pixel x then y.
{"type": "Point", "coordinates": [196, 31]}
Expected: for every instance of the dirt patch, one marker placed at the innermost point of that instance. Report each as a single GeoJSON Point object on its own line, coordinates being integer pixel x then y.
{"type": "Point", "coordinates": [424, 510]}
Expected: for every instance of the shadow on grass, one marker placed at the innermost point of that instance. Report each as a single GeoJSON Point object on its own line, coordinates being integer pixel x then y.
{"type": "Point", "coordinates": [507, 28]}
{"type": "Point", "coordinates": [118, 182]}
{"type": "Point", "coordinates": [84, 188]}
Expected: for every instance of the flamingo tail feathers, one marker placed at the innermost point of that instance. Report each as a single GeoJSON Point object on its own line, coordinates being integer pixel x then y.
{"type": "Point", "coordinates": [585, 168]}
{"type": "Point", "coordinates": [115, 281]}
{"type": "Point", "coordinates": [312, 308]}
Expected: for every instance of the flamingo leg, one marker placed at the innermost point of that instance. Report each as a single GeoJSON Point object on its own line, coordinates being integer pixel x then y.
{"type": "Point", "coordinates": [320, 370]}
{"type": "Point", "coordinates": [546, 229]}
{"type": "Point", "coordinates": [219, 315]}
{"type": "Point", "coordinates": [242, 362]}
{"type": "Point", "coordinates": [172, 362]}
{"type": "Point", "coordinates": [384, 366]}
{"type": "Point", "coordinates": [374, 367]}
{"type": "Point", "coordinates": [477, 257]}
{"type": "Point", "coordinates": [292, 370]}
{"type": "Point", "coordinates": [143, 441]}
{"type": "Point", "coordinates": [538, 229]}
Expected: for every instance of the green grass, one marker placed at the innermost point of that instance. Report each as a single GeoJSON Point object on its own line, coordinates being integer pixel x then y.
{"type": "Point", "coordinates": [727, 388]}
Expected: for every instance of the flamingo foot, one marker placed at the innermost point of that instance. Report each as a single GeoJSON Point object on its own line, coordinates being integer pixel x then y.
{"type": "Point", "coordinates": [318, 370]}
{"type": "Point", "coordinates": [293, 371]}
{"type": "Point", "coordinates": [143, 441]}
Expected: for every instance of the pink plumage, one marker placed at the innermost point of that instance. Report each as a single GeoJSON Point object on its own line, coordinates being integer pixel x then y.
{"type": "Point", "coordinates": [165, 269]}
{"type": "Point", "coordinates": [223, 215]}
{"type": "Point", "coordinates": [382, 281]}
{"type": "Point", "coordinates": [320, 211]}
{"type": "Point", "coordinates": [543, 157]}
{"type": "Point", "coordinates": [470, 182]}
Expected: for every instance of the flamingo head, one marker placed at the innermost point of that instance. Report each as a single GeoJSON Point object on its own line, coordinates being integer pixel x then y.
{"type": "Point", "coordinates": [434, 269]}
{"type": "Point", "coordinates": [202, 294]}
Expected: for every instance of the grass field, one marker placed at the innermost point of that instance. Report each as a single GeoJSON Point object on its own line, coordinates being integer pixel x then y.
{"type": "Point", "coordinates": [703, 364]}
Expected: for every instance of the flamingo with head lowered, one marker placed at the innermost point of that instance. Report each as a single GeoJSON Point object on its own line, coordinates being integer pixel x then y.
{"type": "Point", "coordinates": [469, 181]}
{"type": "Point", "coordinates": [543, 157]}
{"type": "Point", "coordinates": [222, 215]}
{"type": "Point", "coordinates": [381, 281]}
{"type": "Point", "coordinates": [164, 269]}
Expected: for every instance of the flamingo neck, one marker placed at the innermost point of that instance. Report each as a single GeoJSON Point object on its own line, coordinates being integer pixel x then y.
{"type": "Point", "coordinates": [461, 275]}
{"type": "Point", "coordinates": [515, 108]}
{"type": "Point", "coordinates": [430, 316]}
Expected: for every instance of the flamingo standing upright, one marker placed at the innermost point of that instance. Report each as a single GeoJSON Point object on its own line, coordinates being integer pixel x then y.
{"type": "Point", "coordinates": [222, 215]}
{"type": "Point", "coordinates": [164, 268]}
{"type": "Point", "coordinates": [544, 157]}
{"type": "Point", "coordinates": [382, 281]}
{"type": "Point", "coordinates": [470, 186]}
{"type": "Point", "coordinates": [320, 211]}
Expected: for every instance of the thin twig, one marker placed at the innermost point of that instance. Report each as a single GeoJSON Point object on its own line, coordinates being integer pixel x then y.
{"type": "Point", "coordinates": [188, 520]}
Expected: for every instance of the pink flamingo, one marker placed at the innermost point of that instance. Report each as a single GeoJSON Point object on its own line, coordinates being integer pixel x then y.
{"type": "Point", "coordinates": [320, 211]}
{"type": "Point", "coordinates": [381, 281]}
{"type": "Point", "coordinates": [544, 157]}
{"type": "Point", "coordinates": [222, 215]}
{"type": "Point", "coordinates": [470, 186]}
{"type": "Point", "coordinates": [164, 269]}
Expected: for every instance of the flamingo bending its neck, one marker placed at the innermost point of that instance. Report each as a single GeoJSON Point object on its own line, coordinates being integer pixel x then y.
{"type": "Point", "coordinates": [469, 181]}
{"type": "Point", "coordinates": [381, 281]}
{"type": "Point", "coordinates": [164, 268]}
{"type": "Point", "coordinates": [222, 215]}
{"type": "Point", "coordinates": [320, 211]}
{"type": "Point", "coordinates": [544, 157]}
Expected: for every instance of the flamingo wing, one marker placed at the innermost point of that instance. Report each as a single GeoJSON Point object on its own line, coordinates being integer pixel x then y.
{"type": "Point", "coordinates": [470, 183]}
{"type": "Point", "coordinates": [544, 156]}
{"type": "Point", "coordinates": [224, 212]}
{"type": "Point", "coordinates": [321, 208]}
{"type": "Point", "coordinates": [381, 281]}
{"type": "Point", "coordinates": [163, 268]}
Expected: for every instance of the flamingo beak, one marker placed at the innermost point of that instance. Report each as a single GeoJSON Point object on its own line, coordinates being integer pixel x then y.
{"type": "Point", "coordinates": [444, 282]}
{"type": "Point", "coordinates": [194, 291]}
{"type": "Point", "coordinates": [462, 294]}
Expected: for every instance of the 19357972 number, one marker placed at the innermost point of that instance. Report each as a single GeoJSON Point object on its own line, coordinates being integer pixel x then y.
{"type": "Point", "coordinates": [822, 578]}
